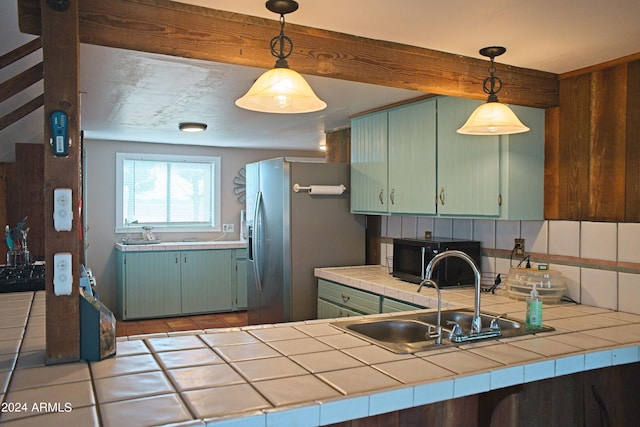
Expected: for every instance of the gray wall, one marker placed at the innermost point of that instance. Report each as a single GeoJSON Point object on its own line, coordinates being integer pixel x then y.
{"type": "Point", "coordinates": [100, 193]}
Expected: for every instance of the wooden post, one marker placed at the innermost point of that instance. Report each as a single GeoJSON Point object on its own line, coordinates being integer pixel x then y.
{"type": "Point", "coordinates": [60, 49]}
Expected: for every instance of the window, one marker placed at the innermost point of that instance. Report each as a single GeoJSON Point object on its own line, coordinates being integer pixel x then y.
{"type": "Point", "coordinates": [171, 193]}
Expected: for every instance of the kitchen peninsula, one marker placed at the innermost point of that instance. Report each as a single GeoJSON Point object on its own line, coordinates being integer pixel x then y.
{"type": "Point", "coordinates": [310, 373]}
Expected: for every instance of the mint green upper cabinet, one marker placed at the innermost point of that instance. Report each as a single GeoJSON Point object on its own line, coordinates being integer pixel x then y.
{"type": "Point", "coordinates": [412, 159]}
{"type": "Point", "coordinates": [369, 139]}
{"type": "Point", "coordinates": [393, 160]}
{"type": "Point", "coordinates": [522, 168]}
{"type": "Point", "coordinates": [468, 165]}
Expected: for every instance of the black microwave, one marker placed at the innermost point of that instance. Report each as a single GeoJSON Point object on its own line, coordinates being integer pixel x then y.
{"type": "Point", "coordinates": [411, 257]}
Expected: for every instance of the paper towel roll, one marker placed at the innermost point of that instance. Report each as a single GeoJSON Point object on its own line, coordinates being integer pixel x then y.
{"type": "Point", "coordinates": [326, 189]}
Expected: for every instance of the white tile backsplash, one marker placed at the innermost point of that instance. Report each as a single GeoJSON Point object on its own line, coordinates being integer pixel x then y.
{"type": "Point", "coordinates": [443, 227]}
{"type": "Point", "coordinates": [503, 266]}
{"type": "Point", "coordinates": [629, 292]}
{"type": "Point", "coordinates": [506, 231]}
{"type": "Point", "coordinates": [488, 265]}
{"type": "Point", "coordinates": [463, 229]}
{"type": "Point", "coordinates": [383, 226]}
{"type": "Point", "coordinates": [599, 288]}
{"type": "Point", "coordinates": [571, 277]}
{"type": "Point", "coordinates": [394, 226]}
{"type": "Point", "coordinates": [409, 227]}
{"type": "Point", "coordinates": [484, 231]}
{"type": "Point", "coordinates": [629, 242]}
{"type": "Point", "coordinates": [575, 243]}
{"type": "Point", "coordinates": [564, 238]}
{"type": "Point", "coordinates": [425, 224]}
{"type": "Point", "coordinates": [386, 251]}
{"type": "Point", "coordinates": [598, 240]}
{"type": "Point", "coordinates": [535, 235]}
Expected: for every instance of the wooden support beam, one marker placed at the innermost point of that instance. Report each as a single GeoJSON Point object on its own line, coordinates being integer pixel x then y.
{"type": "Point", "coordinates": [166, 27]}
{"type": "Point", "coordinates": [60, 50]}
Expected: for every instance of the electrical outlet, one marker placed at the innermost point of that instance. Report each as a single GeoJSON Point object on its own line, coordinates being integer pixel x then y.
{"type": "Point", "coordinates": [519, 246]}
{"type": "Point", "coordinates": [227, 228]}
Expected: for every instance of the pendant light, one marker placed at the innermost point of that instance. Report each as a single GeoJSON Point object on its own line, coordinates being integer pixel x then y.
{"type": "Point", "coordinates": [281, 90]}
{"type": "Point", "coordinates": [492, 117]}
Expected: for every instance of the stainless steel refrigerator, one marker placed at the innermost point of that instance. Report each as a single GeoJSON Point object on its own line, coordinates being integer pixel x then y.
{"type": "Point", "coordinates": [292, 232]}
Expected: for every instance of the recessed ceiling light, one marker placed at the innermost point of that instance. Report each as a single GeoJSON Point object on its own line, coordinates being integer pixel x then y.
{"type": "Point", "coordinates": [192, 127]}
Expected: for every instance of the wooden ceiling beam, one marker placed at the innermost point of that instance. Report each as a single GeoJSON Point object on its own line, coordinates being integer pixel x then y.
{"type": "Point", "coordinates": [187, 31]}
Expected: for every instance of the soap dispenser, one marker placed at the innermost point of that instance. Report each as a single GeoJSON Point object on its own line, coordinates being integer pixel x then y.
{"type": "Point", "coordinates": [534, 310]}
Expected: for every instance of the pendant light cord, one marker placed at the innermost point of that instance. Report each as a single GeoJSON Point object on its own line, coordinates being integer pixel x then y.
{"type": "Point", "coordinates": [492, 84]}
{"type": "Point", "coordinates": [279, 42]}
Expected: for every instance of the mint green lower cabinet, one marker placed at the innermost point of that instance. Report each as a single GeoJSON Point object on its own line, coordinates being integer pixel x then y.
{"type": "Point", "coordinates": [328, 310]}
{"type": "Point", "coordinates": [337, 300]}
{"type": "Point", "coordinates": [352, 300]}
{"type": "Point", "coordinates": [240, 261]}
{"type": "Point", "coordinates": [390, 305]}
{"type": "Point", "coordinates": [206, 281]}
{"type": "Point", "coordinates": [172, 283]}
{"type": "Point", "coordinates": [152, 284]}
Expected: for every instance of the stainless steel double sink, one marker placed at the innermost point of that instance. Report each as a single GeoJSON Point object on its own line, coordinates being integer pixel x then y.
{"type": "Point", "coordinates": [410, 333]}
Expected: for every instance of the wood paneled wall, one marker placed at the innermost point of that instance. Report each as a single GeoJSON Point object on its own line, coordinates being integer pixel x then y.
{"type": "Point", "coordinates": [592, 165]}
{"type": "Point", "coordinates": [22, 195]}
{"type": "Point", "coordinates": [338, 143]}
{"type": "Point", "coordinates": [339, 151]}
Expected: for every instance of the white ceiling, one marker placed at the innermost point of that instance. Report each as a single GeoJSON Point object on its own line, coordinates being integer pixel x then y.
{"type": "Point", "coordinates": [142, 97]}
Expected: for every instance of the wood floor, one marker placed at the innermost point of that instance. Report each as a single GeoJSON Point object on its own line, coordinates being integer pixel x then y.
{"type": "Point", "coordinates": [184, 323]}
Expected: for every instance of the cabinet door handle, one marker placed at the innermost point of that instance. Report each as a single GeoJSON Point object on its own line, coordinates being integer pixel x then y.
{"type": "Point", "coordinates": [345, 298]}
{"type": "Point", "coordinates": [380, 196]}
{"type": "Point", "coordinates": [177, 259]}
{"type": "Point", "coordinates": [392, 196]}
{"type": "Point", "coordinates": [442, 196]}
{"type": "Point", "coordinates": [499, 199]}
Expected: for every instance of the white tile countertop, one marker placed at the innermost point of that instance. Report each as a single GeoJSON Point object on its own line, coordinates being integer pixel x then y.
{"type": "Point", "coordinates": [182, 246]}
{"type": "Point", "coordinates": [292, 374]}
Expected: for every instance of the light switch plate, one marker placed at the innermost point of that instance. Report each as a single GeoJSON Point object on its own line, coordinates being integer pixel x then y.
{"type": "Point", "coordinates": [62, 210]}
{"type": "Point", "coordinates": [62, 275]}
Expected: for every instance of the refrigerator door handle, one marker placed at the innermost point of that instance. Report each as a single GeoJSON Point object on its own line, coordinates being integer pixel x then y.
{"type": "Point", "coordinates": [256, 241]}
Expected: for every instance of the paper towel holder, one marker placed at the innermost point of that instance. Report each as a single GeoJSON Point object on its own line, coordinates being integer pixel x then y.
{"type": "Point", "coordinates": [321, 189]}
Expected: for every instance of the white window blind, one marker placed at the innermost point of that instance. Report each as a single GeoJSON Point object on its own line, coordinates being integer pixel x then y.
{"type": "Point", "coordinates": [167, 191]}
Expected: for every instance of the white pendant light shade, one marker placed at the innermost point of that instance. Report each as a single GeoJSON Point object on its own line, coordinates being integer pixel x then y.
{"type": "Point", "coordinates": [281, 90]}
{"type": "Point", "coordinates": [493, 118]}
